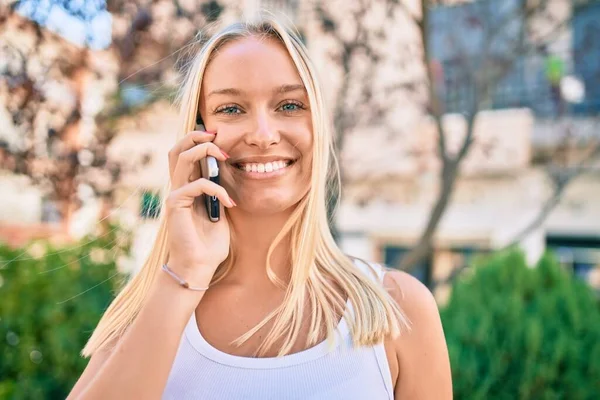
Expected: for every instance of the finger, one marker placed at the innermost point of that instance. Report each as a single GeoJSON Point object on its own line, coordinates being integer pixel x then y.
{"type": "Point", "coordinates": [184, 196]}
{"type": "Point", "coordinates": [190, 140]}
{"type": "Point", "coordinates": [187, 162]}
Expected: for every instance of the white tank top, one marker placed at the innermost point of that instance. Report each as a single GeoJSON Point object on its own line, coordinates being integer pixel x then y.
{"type": "Point", "coordinates": [323, 372]}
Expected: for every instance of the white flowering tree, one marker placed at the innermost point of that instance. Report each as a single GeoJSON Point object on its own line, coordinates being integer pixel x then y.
{"type": "Point", "coordinates": [70, 71]}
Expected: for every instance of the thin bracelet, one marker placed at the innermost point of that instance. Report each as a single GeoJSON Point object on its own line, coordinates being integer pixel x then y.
{"type": "Point", "coordinates": [182, 282]}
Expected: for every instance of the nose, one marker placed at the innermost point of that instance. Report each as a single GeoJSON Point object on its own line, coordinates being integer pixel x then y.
{"type": "Point", "coordinates": [264, 135]}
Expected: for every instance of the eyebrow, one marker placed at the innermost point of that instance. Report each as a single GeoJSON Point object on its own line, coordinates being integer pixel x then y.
{"type": "Point", "coordinates": [236, 92]}
{"type": "Point", "coordinates": [290, 88]}
{"type": "Point", "coordinates": [229, 91]}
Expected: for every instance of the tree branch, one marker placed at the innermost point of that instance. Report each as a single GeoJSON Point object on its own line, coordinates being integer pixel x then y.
{"type": "Point", "coordinates": [561, 180]}
{"type": "Point", "coordinates": [486, 79]}
{"type": "Point", "coordinates": [433, 99]}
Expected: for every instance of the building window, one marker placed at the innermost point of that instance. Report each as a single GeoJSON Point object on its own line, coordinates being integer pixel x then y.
{"type": "Point", "coordinates": [392, 255]}
{"type": "Point", "coordinates": [579, 255]}
{"type": "Point", "coordinates": [458, 35]}
{"type": "Point", "coordinates": [150, 205]}
{"type": "Point", "coordinates": [586, 55]}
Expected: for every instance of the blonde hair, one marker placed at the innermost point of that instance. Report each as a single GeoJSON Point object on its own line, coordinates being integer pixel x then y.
{"type": "Point", "coordinates": [317, 260]}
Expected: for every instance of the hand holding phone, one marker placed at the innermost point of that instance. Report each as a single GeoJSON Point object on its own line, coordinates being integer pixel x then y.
{"type": "Point", "coordinates": [196, 244]}
{"type": "Point", "coordinates": [210, 170]}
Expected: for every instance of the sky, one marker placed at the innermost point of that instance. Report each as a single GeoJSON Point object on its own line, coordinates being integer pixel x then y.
{"type": "Point", "coordinates": [95, 33]}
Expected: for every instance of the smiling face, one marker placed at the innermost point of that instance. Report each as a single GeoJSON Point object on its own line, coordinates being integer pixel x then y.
{"type": "Point", "coordinates": [253, 97]}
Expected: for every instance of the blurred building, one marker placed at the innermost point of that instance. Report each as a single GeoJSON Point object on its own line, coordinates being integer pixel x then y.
{"type": "Point", "coordinates": [391, 168]}
{"type": "Point", "coordinates": [505, 182]}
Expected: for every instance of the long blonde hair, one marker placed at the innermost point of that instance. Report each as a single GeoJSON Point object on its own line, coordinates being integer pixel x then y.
{"type": "Point", "coordinates": [318, 263]}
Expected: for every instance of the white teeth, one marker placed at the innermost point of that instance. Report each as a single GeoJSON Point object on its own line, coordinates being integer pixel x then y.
{"type": "Point", "coordinates": [266, 167]}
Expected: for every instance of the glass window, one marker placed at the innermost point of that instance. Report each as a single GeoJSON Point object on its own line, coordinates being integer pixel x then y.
{"type": "Point", "coordinates": [459, 42]}
{"type": "Point", "coordinates": [580, 255]}
{"type": "Point", "coordinates": [392, 255]}
{"type": "Point", "coordinates": [586, 55]}
{"type": "Point", "coordinates": [150, 205]}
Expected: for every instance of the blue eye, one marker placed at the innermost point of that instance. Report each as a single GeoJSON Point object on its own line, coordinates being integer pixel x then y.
{"type": "Point", "coordinates": [291, 107]}
{"type": "Point", "coordinates": [229, 110]}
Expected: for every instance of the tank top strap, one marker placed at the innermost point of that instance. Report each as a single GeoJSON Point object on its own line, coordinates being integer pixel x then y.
{"type": "Point", "coordinates": [377, 272]}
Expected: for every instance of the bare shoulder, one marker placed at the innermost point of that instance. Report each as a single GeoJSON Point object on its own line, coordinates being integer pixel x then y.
{"type": "Point", "coordinates": [413, 297]}
{"type": "Point", "coordinates": [421, 352]}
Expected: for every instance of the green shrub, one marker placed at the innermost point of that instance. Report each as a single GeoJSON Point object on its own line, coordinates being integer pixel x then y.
{"type": "Point", "coordinates": [49, 305]}
{"type": "Point", "coordinates": [515, 332]}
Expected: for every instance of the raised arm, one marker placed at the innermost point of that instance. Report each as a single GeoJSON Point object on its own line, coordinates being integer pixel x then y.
{"type": "Point", "coordinates": [138, 365]}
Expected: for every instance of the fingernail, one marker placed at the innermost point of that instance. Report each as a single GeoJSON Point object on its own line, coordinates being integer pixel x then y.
{"type": "Point", "coordinates": [225, 154]}
{"type": "Point", "coordinates": [211, 132]}
{"type": "Point", "coordinates": [232, 202]}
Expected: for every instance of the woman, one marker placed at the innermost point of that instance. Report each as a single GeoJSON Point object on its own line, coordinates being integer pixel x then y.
{"type": "Point", "coordinates": [270, 307]}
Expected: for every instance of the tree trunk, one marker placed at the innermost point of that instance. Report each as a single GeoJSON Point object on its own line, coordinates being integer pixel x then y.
{"type": "Point", "coordinates": [424, 246]}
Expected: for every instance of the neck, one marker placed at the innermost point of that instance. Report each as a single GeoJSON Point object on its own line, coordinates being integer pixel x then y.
{"type": "Point", "coordinates": [254, 235]}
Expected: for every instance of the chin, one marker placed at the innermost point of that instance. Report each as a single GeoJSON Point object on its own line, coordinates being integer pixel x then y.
{"type": "Point", "coordinates": [267, 205]}
{"type": "Point", "coordinates": [266, 196]}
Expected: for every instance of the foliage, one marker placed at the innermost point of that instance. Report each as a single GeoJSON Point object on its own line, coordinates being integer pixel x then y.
{"type": "Point", "coordinates": [52, 298]}
{"type": "Point", "coordinates": [66, 101]}
{"type": "Point", "coordinates": [526, 333]}
{"type": "Point", "coordinates": [512, 331]}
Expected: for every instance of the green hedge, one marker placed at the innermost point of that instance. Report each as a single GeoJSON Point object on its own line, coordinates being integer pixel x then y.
{"type": "Point", "coordinates": [515, 332]}
{"type": "Point", "coordinates": [512, 332]}
{"type": "Point", "coordinates": [50, 301]}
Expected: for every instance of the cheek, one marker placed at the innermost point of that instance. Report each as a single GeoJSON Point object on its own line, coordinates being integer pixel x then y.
{"type": "Point", "coordinates": [302, 137]}
{"type": "Point", "coordinates": [306, 163]}
{"type": "Point", "coordinates": [227, 137]}
{"type": "Point", "coordinates": [304, 144]}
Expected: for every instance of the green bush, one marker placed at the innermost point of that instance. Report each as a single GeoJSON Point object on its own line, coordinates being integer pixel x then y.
{"type": "Point", "coordinates": [515, 332]}
{"type": "Point", "coordinates": [50, 301]}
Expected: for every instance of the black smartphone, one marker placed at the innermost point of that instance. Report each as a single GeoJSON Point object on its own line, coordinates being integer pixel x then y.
{"type": "Point", "coordinates": [210, 170]}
